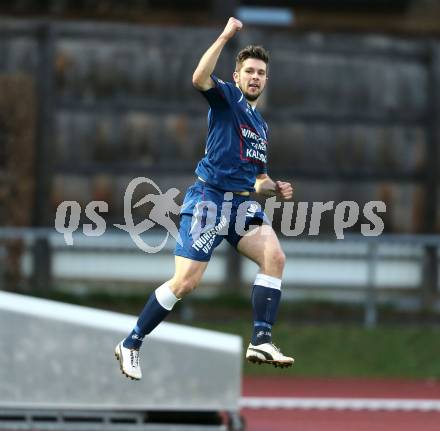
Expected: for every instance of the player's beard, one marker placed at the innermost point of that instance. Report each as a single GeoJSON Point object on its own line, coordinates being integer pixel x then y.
{"type": "Point", "coordinates": [250, 97]}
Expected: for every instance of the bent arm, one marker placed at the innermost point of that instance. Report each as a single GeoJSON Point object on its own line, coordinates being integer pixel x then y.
{"type": "Point", "coordinates": [202, 75]}
{"type": "Point", "coordinates": [265, 186]}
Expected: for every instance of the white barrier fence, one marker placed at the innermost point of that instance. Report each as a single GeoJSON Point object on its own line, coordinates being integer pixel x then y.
{"type": "Point", "coordinates": [388, 269]}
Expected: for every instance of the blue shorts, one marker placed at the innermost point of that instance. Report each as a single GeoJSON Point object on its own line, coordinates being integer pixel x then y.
{"type": "Point", "coordinates": [209, 215]}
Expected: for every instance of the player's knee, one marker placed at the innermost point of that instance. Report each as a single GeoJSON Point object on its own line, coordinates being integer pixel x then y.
{"type": "Point", "coordinates": [281, 260]}
{"type": "Point", "coordinates": [277, 261]}
{"type": "Point", "coordinates": [182, 287]}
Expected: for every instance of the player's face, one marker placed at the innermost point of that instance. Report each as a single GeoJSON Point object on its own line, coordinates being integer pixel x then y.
{"type": "Point", "coordinates": [251, 78]}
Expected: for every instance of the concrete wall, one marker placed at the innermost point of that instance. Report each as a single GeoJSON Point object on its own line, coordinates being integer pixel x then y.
{"type": "Point", "coordinates": [63, 358]}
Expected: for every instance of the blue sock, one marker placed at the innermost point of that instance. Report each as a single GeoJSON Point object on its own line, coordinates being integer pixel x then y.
{"type": "Point", "coordinates": [265, 303]}
{"type": "Point", "coordinates": [157, 308]}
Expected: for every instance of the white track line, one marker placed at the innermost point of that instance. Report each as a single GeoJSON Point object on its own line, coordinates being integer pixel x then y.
{"type": "Point", "coordinates": [388, 404]}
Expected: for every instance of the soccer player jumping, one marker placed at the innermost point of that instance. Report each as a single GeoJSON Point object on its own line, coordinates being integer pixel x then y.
{"type": "Point", "coordinates": [233, 166]}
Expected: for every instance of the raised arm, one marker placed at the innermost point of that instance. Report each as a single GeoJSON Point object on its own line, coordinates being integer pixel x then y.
{"type": "Point", "coordinates": [202, 75]}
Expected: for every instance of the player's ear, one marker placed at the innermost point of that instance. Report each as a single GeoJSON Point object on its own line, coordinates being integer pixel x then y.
{"type": "Point", "coordinates": [235, 76]}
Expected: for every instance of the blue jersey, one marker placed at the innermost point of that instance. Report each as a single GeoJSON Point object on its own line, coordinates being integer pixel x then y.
{"type": "Point", "coordinates": [236, 147]}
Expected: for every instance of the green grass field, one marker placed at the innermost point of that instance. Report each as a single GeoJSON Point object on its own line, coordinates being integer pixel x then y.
{"type": "Point", "coordinates": [349, 351]}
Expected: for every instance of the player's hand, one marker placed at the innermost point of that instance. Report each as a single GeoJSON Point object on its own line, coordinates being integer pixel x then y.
{"type": "Point", "coordinates": [283, 190]}
{"type": "Point", "coordinates": [233, 25]}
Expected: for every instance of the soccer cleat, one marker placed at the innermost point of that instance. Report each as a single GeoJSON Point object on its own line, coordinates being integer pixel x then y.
{"type": "Point", "coordinates": [128, 361]}
{"type": "Point", "coordinates": [268, 353]}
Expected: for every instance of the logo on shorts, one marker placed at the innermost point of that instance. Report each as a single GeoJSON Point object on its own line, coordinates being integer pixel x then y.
{"type": "Point", "coordinates": [253, 208]}
{"type": "Point", "coordinates": [206, 239]}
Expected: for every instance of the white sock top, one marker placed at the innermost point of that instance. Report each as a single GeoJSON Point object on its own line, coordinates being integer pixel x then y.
{"type": "Point", "coordinates": [165, 296]}
{"type": "Point", "coordinates": [268, 281]}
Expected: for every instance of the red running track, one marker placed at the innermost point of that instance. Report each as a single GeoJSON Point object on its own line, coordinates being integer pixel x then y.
{"type": "Point", "coordinates": [337, 420]}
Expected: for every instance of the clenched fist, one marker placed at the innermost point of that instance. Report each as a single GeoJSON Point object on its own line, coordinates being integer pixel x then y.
{"type": "Point", "coordinates": [283, 190]}
{"type": "Point", "coordinates": [233, 25]}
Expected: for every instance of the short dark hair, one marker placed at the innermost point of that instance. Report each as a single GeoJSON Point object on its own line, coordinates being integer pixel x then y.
{"type": "Point", "coordinates": [251, 51]}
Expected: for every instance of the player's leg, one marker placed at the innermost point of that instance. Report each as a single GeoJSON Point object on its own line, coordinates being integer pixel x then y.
{"type": "Point", "coordinates": [263, 247]}
{"type": "Point", "coordinates": [199, 236]}
{"type": "Point", "coordinates": [187, 276]}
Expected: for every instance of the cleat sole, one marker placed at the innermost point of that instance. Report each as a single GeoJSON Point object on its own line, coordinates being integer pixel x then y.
{"type": "Point", "coordinates": [276, 364]}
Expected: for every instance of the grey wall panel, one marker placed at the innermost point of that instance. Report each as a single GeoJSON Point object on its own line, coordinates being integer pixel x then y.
{"type": "Point", "coordinates": [60, 355]}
